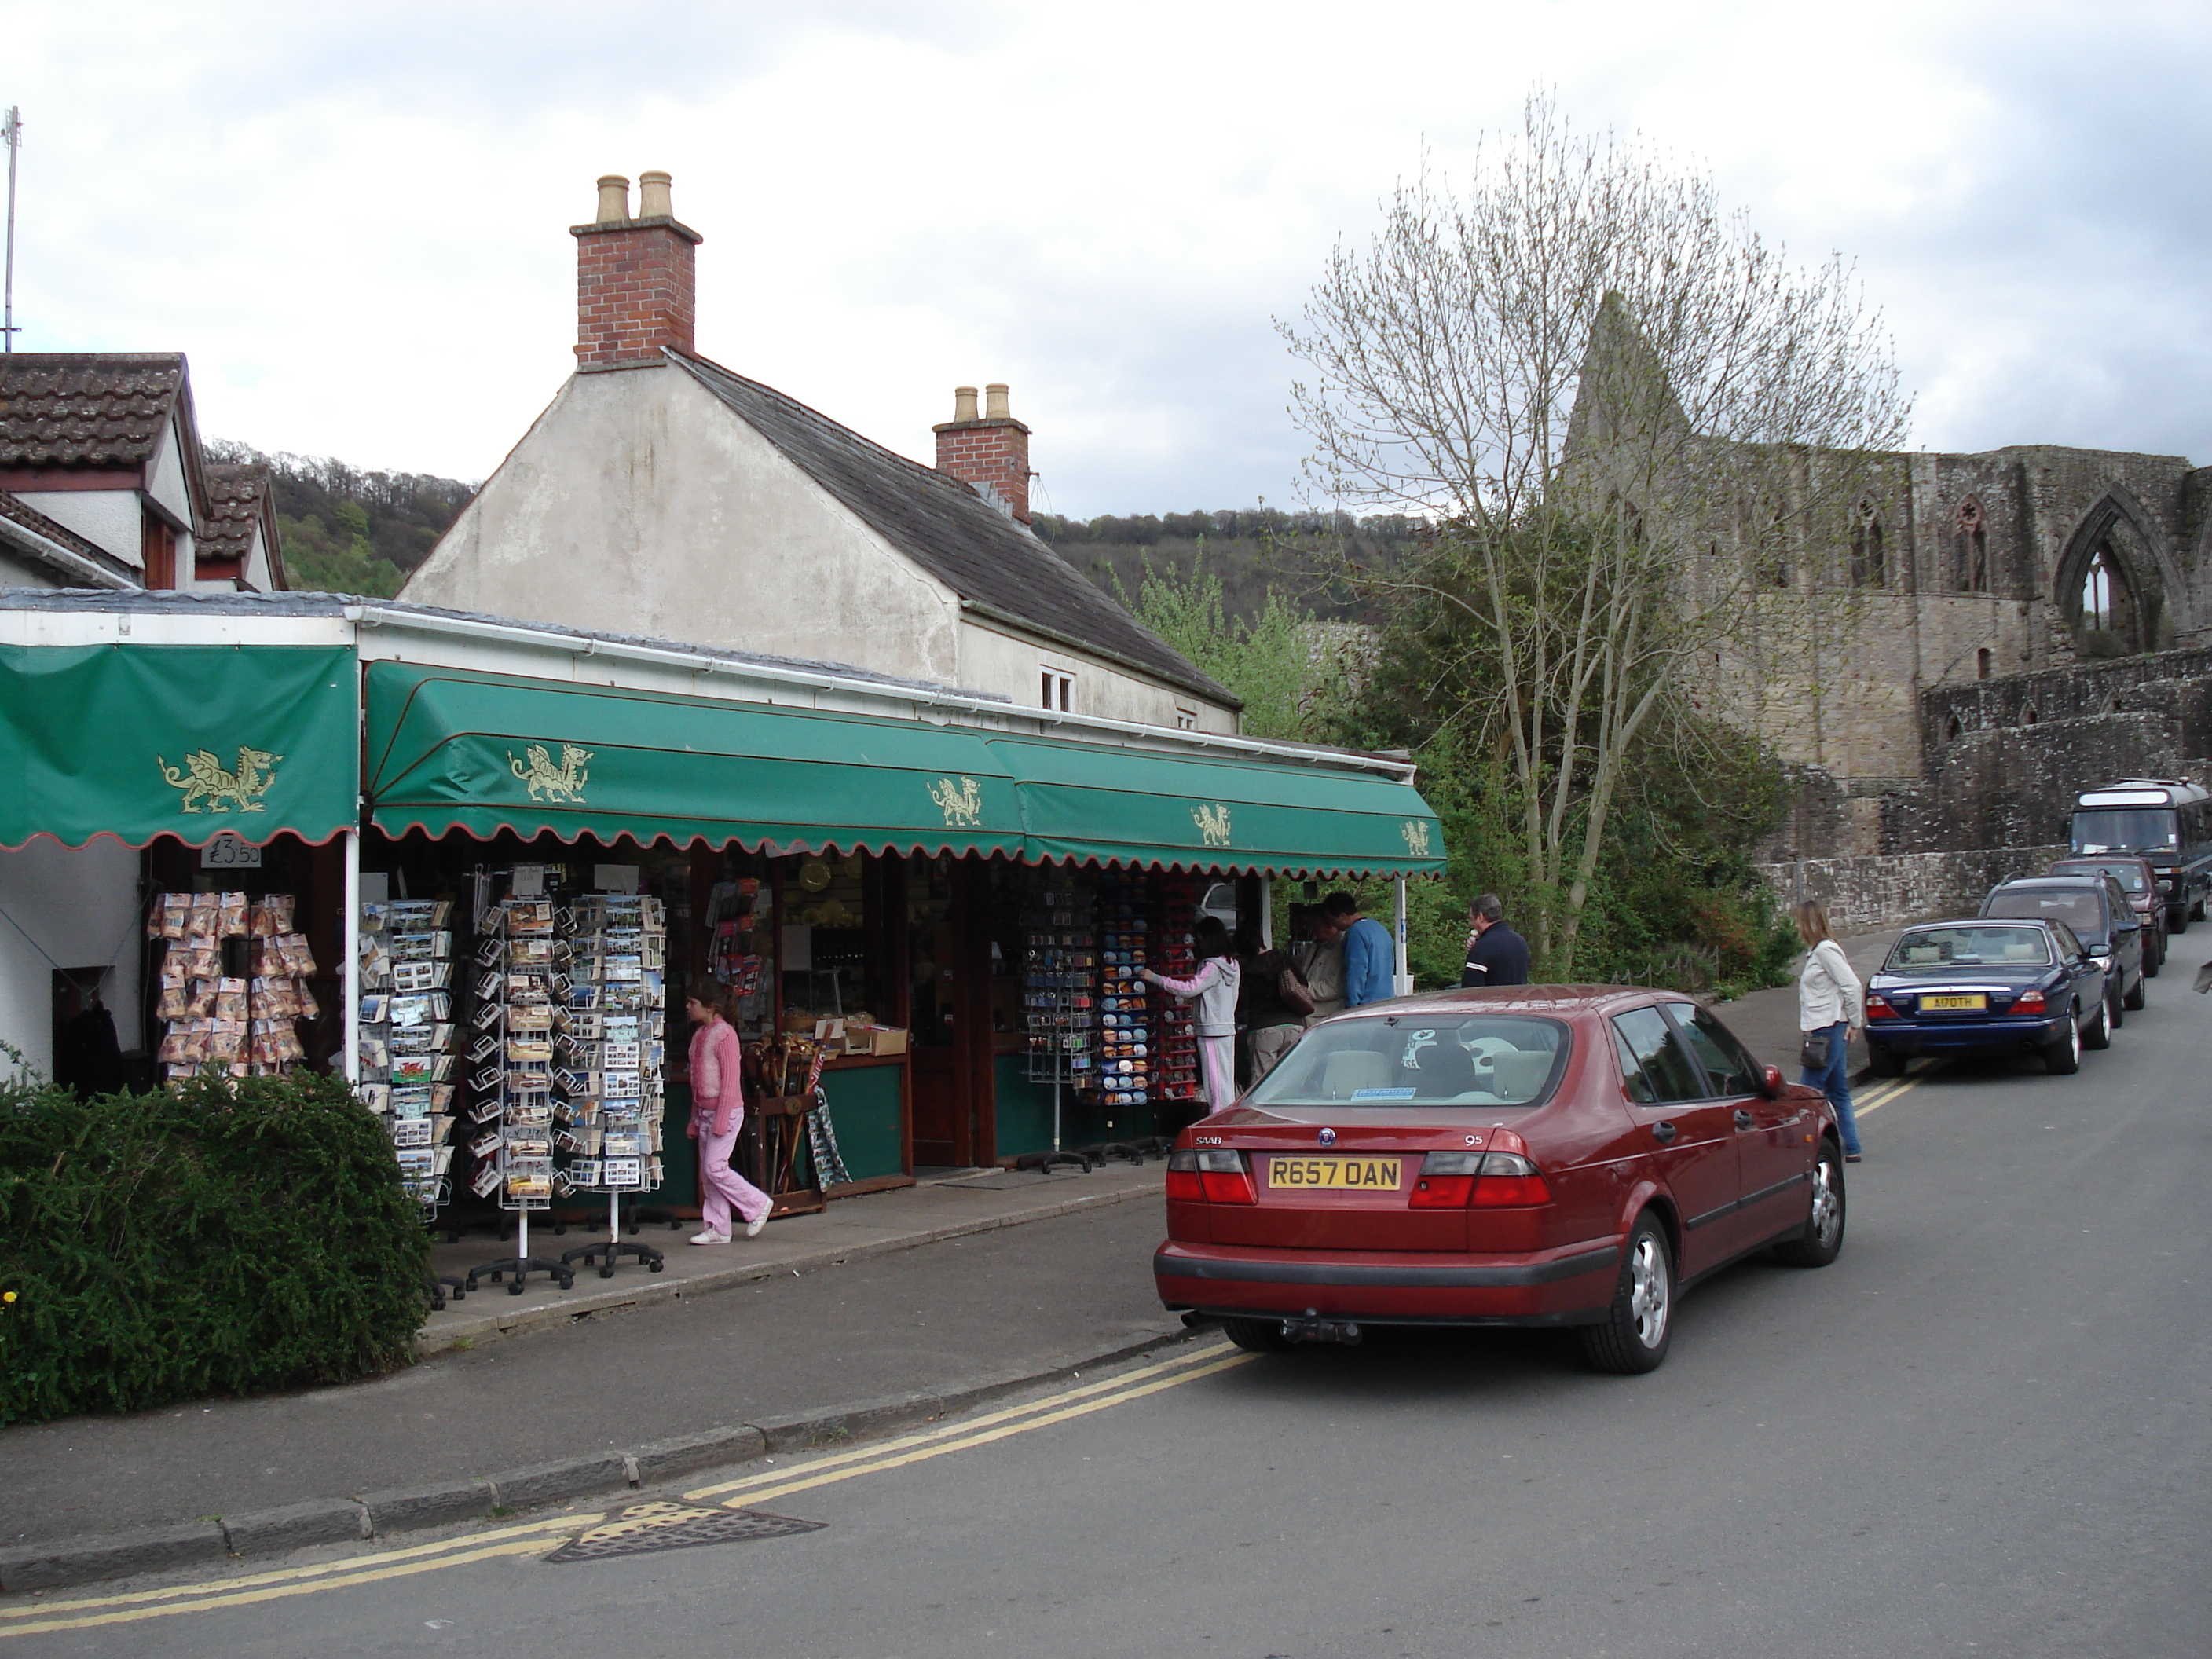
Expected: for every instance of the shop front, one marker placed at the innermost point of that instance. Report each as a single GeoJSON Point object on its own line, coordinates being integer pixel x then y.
{"type": "Point", "coordinates": [509, 854]}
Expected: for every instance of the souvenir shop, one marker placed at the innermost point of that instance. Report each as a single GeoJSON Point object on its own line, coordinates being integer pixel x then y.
{"type": "Point", "coordinates": [481, 866]}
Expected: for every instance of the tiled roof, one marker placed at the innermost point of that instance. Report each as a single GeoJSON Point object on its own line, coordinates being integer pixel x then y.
{"type": "Point", "coordinates": [17, 512]}
{"type": "Point", "coordinates": [941, 524]}
{"type": "Point", "coordinates": [236, 490]}
{"type": "Point", "coordinates": [86, 408]}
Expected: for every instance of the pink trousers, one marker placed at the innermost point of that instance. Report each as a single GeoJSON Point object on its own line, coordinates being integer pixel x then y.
{"type": "Point", "coordinates": [726, 1189]}
{"type": "Point", "coordinates": [1217, 1058]}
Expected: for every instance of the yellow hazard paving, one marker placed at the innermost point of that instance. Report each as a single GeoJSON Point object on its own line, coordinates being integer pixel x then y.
{"type": "Point", "coordinates": [28, 1618]}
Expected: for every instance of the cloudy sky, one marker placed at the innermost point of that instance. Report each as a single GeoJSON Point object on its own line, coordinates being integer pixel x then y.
{"type": "Point", "coordinates": [354, 217]}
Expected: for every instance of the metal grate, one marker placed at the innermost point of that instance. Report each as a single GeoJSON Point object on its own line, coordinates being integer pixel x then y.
{"type": "Point", "coordinates": [644, 1528]}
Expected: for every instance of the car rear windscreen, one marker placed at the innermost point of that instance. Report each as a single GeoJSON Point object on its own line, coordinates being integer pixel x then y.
{"type": "Point", "coordinates": [2126, 830]}
{"type": "Point", "coordinates": [2077, 910]}
{"type": "Point", "coordinates": [2129, 875]}
{"type": "Point", "coordinates": [1968, 947]}
{"type": "Point", "coordinates": [1435, 1059]}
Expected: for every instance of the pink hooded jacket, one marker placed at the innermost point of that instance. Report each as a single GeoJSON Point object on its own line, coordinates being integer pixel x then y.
{"type": "Point", "coordinates": [718, 1084]}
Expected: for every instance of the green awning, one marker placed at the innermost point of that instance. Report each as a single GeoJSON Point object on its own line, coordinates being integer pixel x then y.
{"type": "Point", "coordinates": [453, 750]}
{"type": "Point", "coordinates": [449, 749]}
{"type": "Point", "coordinates": [137, 741]}
{"type": "Point", "coordinates": [1094, 804]}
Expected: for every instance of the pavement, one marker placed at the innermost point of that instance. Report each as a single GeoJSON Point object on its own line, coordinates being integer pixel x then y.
{"type": "Point", "coordinates": [885, 1309]}
{"type": "Point", "coordinates": [889, 1308]}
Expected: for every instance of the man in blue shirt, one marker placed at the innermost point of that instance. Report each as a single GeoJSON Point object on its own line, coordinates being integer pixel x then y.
{"type": "Point", "coordinates": [1370, 957]}
{"type": "Point", "coordinates": [1496, 955]}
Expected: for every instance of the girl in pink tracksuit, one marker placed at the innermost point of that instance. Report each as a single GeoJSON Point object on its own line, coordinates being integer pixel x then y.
{"type": "Point", "coordinates": [1214, 985]}
{"type": "Point", "coordinates": [718, 1111]}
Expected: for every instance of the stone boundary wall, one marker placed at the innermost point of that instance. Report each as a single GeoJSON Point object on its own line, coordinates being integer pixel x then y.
{"type": "Point", "coordinates": [1868, 895]}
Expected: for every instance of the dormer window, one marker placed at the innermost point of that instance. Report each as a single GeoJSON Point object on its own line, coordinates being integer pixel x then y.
{"type": "Point", "coordinates": [1056, 689]}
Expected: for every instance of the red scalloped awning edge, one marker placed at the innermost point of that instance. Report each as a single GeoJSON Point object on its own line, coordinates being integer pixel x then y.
{"type": "Point", "coordinates": [168, 835]}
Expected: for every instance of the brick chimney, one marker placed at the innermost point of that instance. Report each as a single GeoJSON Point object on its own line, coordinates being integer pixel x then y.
{"type": "Point", "coordinates": [635, 291]}
{"type": "Point", "coordinates": [992, 450]}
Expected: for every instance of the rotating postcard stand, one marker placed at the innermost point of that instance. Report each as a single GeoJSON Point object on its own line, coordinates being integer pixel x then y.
{"type": "Point", "coordinates": [1060, 969]}
{"type": "Point", "coordinates": [609, 1079]}
{"type": "Point", "coordinates": [519, 960]}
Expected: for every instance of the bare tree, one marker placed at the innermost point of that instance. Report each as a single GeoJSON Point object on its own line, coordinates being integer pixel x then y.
{"type": "Point", "coordinates": [1626, 412]}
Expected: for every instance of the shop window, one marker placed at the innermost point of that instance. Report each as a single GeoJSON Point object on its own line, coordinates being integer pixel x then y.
{"type": "Point", "coordinates": [1055, 690]}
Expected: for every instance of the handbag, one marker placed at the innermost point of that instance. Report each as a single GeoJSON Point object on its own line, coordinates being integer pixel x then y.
{"type": "Point", "coordinates": [1291, 990]}
{"type": "Point", "coordinates": [1814, 1056]}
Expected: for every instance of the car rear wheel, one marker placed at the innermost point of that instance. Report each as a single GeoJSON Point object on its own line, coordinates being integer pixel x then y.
{"type": "Point", "coordinates": [2064, 1057]}
{"type": "Point", "coordinates": [2177, 921]}
{"type": "Point", "coordinates": [1883, 1063]}
{"type": "Point", "coordinates": [1822, 1240]}
{"type": "Point", "coordinates": [2099, 1033]}
{"type": "Point", "coordinates": [2155, 958]}
{"type": "Point", "coordinates": [1640, 1324]}
{"type": "Point", "coordinates": [2134, 1000]}
{"type": "Point", "coordinates": [1257, 1335]}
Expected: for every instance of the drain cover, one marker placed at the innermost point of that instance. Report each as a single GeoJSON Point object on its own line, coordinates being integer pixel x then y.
{"type": "Point", "coordinates": [644, 1526]}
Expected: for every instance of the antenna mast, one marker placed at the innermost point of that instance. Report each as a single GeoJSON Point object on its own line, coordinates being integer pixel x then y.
{"type": "Point", "coordinates": [12, 130]}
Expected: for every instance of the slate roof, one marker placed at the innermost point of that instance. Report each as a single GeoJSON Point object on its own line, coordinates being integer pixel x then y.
{"type": "Point", "coordinates": [16, 511]}
{"type": "Point", "coordinates": [237, 493]}
{"type": "Point", "coordinates": [941, 524]}
{"type": "Point", "coordinates": [91, 408]}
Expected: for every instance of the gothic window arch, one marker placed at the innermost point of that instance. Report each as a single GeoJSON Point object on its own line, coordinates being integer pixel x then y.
{"type": "Point", "coordinates": [1869, 556]}
{"type": "Point", "coordinates": [1970, 548]}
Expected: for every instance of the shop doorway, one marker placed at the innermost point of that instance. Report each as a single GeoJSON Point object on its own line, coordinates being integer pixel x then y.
{"type": "Point", "coordinates": [949, 966]}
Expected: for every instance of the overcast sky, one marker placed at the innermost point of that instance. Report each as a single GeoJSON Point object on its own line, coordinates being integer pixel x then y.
{"type": "Point", "coordinates": [354, 217]}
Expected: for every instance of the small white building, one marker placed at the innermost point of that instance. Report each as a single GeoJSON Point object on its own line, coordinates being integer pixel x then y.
{"type": "Point", "coordinates": [661, 494]}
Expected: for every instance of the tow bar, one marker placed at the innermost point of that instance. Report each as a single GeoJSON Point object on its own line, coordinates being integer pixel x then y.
{"type": "Point", "coordinates": [1341, 1331]}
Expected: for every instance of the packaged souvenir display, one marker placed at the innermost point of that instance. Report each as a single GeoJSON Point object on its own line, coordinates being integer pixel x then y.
{"type": "Point", "coordinates": [1059, 983]}
{"type": "Point", "coordinates": [407, 1034]}
{"type": "Point", "coordinates": [229, 1009]}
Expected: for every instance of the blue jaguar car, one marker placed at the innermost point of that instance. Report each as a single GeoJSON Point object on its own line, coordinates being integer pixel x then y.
{"type": "Point", "coordinates": [1986, 986]}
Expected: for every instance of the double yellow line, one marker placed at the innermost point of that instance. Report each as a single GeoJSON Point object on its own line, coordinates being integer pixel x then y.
{"type": "Point", "coordinates": [535, 1537]}
{"type": "Point", "coordinates": [1882, 1093]}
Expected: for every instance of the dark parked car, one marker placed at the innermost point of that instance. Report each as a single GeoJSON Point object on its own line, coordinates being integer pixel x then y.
{"type": "Point", "coordinates": [2099, 915]}
{"type": "Point", "coordinates": [1530, 1155]}
{"type": "Point", "coordinates": [2138, 882]}
{"type": "Point", "coordinates": [1992, 988]}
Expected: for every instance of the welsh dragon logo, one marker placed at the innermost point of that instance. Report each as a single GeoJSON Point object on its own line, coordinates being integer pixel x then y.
{"type": "Point", "coordinates": [962, 804]}
{"type": "Point", "coordinates": [1417, 837]}
{"type": "Point", "coordinates": [567, 783]}
{"type": "Point", "coordinates": [1213, 822]}
{"type": "Point", "coordinates": [204, 778]}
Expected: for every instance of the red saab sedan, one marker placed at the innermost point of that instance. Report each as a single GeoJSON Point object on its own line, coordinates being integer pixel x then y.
{"type": "Point", "coordinates": [1533, 1155]}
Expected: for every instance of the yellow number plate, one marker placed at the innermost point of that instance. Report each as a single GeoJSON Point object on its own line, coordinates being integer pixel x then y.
{"type": "Point", "coordinates": [1977, 1001]}
{"type": "Point", "coordinates": [1361, 1174]}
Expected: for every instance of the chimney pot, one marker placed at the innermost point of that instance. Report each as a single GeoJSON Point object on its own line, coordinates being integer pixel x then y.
{"type": "Point", "coordinates": [964, 403]}
{"type": "Point", "coordinates": [614, 199]}
{"type": "Point", "coordinates": [652, 201]}
{"type": "Point", "coordinates": [636, 279]}
{"type": "Point", "coordinates": [991, 453]}
{"type": "Point", "coordinates": [994, 405]}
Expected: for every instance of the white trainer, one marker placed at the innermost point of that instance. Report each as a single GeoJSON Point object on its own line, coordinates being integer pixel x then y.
{"type": "Point", "coordinates": [710, 1236]}
{"type": "Point", "coordinates": [753, 1227]}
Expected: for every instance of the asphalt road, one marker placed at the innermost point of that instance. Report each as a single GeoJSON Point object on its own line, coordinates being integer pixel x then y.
{"type": "Point", "coordinates": [1983, 1432]}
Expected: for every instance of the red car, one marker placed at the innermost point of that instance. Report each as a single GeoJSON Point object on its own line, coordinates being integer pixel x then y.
{"type": "Point", "coordinates": [1563, 1155]}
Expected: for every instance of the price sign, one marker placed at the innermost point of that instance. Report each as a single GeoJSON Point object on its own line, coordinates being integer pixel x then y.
{"type": "Point", "coordinates": [229, 852]}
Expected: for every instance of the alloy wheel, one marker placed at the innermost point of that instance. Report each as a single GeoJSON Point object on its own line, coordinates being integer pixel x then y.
{"type": "Point", "coordinates": [1827, 1213]}
{"type": "Point", "coordinates": [1648, 1294]}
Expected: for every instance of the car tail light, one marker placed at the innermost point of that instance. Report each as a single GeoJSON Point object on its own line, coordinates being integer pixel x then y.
{"type": "Point", "coordinates": [1210, 1175]}
{"type": "Point", "coordinates": [2031, 1002]}
{"type": "Point", "coordinates": [1451, 1181]}
{"type": "Point", "coordinates": [1183, 1184]}
{"type": "Point", "coordinates": [1877, 1007]}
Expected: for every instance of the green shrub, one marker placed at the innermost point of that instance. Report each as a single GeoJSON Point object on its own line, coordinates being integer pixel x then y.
{"type": "Point", "coordinates": [228, 1239]}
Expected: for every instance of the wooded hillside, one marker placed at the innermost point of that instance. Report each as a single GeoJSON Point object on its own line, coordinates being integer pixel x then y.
{"type": "Point", "coordinates": [1253, 552]}
{"type": "Point", "coordinates": [349, 531]}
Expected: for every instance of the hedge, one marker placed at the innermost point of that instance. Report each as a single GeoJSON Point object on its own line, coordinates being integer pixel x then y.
{"type": "Point", "coordinates": [234, 1238]}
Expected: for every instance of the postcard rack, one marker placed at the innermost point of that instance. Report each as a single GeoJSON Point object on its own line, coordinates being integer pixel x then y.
{"type": "Point", "coordinates": [609, 1077]}
{"type": "Point", "coordinates": [517, 976]}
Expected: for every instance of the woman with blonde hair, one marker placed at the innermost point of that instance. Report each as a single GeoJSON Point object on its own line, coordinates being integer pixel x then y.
{"type": "Point", "coordinates": [1830, 1009]}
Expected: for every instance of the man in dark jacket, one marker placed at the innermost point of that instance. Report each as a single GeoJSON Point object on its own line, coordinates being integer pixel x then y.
{"type": "Point", "coordinates": [1496, 955]}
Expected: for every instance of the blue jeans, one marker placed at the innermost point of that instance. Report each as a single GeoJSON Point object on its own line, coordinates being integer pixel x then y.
{"type": "Point", "coordinates": [1834, 1080]}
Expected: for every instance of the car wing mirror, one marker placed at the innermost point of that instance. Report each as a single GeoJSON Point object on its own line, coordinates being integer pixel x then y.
{"type": "Point", "coordinates": [1770, 1083]}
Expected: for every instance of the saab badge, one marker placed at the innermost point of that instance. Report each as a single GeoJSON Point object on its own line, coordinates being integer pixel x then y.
{"type": "Point", "coordinates": [1328, 1137]}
